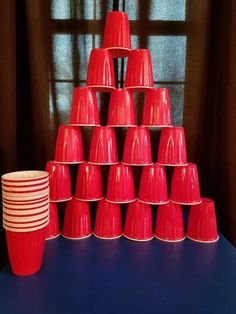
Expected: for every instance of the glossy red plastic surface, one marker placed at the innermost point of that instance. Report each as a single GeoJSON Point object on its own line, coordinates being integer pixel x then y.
{"type": "Point", "coordinates": [172, 147]}
{"type": "Point", "coordinates": [89, 183]}
{"type": "Point", "coordinates": [202, 224]}
{"type": "Point", "coordinates": [25, 250]}
{"type": "Point", "coordinates": [59, 181]}
{"type": "Point", "coordinates": [52, 229]}
{"type": "Point", "coordinates": [116, 36]}
{"type": "Point", "coordinates": [169, 223]}
{"type": "Point", "coordinates": [121, 108]}
{"type": "Point", "coordinates": [100, 72]}
{"type": "Point", "coordinates": [84, 110]}
{"type": "Point", "coordinates": [153, 185]}
{"type": "Point", "coordinates": [139, 76]}
{"type": "Point", "coordinates": [108, 224]}
{"type": "Point", "coordinates": [120, 185]}
{"type": "Point", "coordinates": [157, 109]}
{"type": "Point", "coordinates": [185, 187]}
{"type": "Point", "coordinates": [137, 148]}
{"type": "Point", "coordinates": [69, 145]}
{"type": "Point", "coordinates": [103, 147]}
{"type": "Point", "coordinates": [77, 220]}
{"type": "Point", "coordinates": [138, 222]}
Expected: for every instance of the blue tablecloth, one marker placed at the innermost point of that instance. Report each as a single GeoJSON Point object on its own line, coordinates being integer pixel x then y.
{"type": "Point", "coordinates": [121, 276]}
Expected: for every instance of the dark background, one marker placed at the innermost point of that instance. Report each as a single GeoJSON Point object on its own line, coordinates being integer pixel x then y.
{"type": "Point", "coordinates": [203, 98]}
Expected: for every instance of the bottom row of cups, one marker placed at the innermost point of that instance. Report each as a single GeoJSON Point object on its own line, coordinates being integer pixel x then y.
{"type": "Point", "coordinates": [169, 224]}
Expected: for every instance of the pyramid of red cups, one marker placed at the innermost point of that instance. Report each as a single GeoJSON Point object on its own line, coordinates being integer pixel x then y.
{"type": "Point", "coordinates": [185, 190]}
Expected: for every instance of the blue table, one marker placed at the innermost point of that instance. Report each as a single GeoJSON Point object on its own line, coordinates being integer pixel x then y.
{"type": "Point", "coordinates": [121, 276]}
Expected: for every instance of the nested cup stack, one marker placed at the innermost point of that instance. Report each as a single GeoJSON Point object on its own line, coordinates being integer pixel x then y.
{"type": "Point", "coordinates": [25, 197]}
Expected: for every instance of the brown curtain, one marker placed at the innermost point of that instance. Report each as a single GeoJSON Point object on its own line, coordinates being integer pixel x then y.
{"type": "Point", "coordinates": [28, 125]}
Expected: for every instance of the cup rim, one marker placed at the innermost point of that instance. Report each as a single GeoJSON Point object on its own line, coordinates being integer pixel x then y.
{"type": "Point", "coordinates": [120, 202]}
{"type": "Point", "coordinates": [187, 203]}
{"type": "Point", "coordinates": [26, 229]}
{"type": "Point", "coordinates": [28, 219]}
{"type": "Point", "coordinates": [107, 238]}
{"type": "Point", "coordinates": [138, 240]}
{"type": "Point", "coordinates": [171, 241]}
{"type": "Point", "coordinates": [80, 238]}
{"type": "Point", "coordinates": [25, 212]}
{"type": "Point", "coordinates": [8, 176]}
{"type": "Point", "coordinates": [152, 203]}
{"type": "Point", "coordinates": [202, 241]}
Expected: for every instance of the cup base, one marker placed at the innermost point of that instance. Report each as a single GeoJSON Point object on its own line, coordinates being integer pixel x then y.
{"type": "Point", "coordinates": [88, 200]}
{"type": "Point", "coordinates": [203, 241]}
{"type": "Point", "coordinates": [69, 162]}
{"type": "Point", "coordinates": [119, 52]}
{"type": "Point", "coordinates": [172, 165]}
{"type": "Point", "coordinates": [157, 125]}
{"type": "Point", "coordinates": [133, 164]}
{"type": "Point", "coordinates": [53, 237]}
{"type": "Point", "coordinates": [139, 88]}
{"type": "Point", "coordinates": [138, 240]}
{"type": "Point", "coordinates": [107, 238]}
{"type": "Point", "coordinates": [103, 163]}
{"type": "Point", "coordinates": [120, 202]}
{"type": "Point", "coordinates": [186, 203]}
{"type": "Point", "coordinates": [84, 124]}
{"type": "Point", "coordinates": [171, 241]}
{"type": "Point", "coordinates": [152, 203]}
{"type": "Point", "coordinates": [62, 200]}
{"type": "Point", "coordinates": [100, 88]}
{"type": "Point", "coordinates": [80, 238]}
{"type": "Point", "coordinates": [122, 125]}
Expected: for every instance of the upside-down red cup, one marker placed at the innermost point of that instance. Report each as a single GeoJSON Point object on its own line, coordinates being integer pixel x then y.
{"type": "Point", "coordinates": [137, 148]}
{"type": "Point", "coordinates": [172, 147]}
{"type": "Point", "coordinates": [153, 185]}
{"type": "Point", "coordinates": [59, 181]}
{"type": "Point", "coordinates": [84, 110]}
{"type": "Point", "coordinates": [157, 109]}
{"type": "Point", "coordinates": [25, 250]}
{"type": "Point", "coordinates": [108, 223]}
{"type": "Point", "coordinates": [69, 145]}
{"type": "Point", "coordinates": [100, 73]}
{"type": "Point", "coordinates": [185, 187]}
{"type": "Point", "coordinates": [120, 185]}
{"type": "Point", "coordinates": [202, 224]}
{"type": "Point", "coordinates": [138, 222]}
{"type": "Point", "coordinates": [139, 76]}
{"type": "Point", "coordinates": [77, 220]}
{"type": "Point", "coordinates": [116, 36]}
{"type": "Point", "coordinates": [169, 223]}
{"type": "Point", "coordinates": [103, 147]}
{"type": "Point", "coordinates": [89, 186]}
{"type": "Point", "coordinates": [52, 229]}
{"type": "Point", "coordinates": [121, 109]}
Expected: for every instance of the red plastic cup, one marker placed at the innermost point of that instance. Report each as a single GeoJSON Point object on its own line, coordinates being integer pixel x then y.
{"type": "Point", "coordinates": [153, 185]}
{"type": "Point", "coordinates": [169, 223]}
{"type": "Point", "coordinates": [89, 185]}
{"type": "Point", "coordinates": [185, 187]}
{"type": "Point", "coordinates": [108, 223]}
{"type": "Point", "coordinates": [25, 250]}
{"type": "Point", "coordinates": [202, 224]}
{"type": "Point", "coordinates": [59, 181]}
{"type": "Point", "coordinates": [53, 229]}
{"type": "Point", "coordinates": [157, 109]}
{"type": "Point", "coordinates": [103, 147]}
{"type": "Point", "coordinates": [138, 223]}
{"type": "Point", "coordinates": [116, 36]}
{"type": "Point", "coordinates": [120, 185]}
{"type": "Point", "coordinates": [172, 147]}
{"type": "Point", "coordinates": [139, 76]}
{"type": "Point", "coordinates": [84, 110]}
{"type": "Point", "coordinates": [121, 109]}
{"type": "Point", "coordinates": [100, 74]}
{"type": "Point", "coordinates": [137, 148]}
{"type": "Point", "coordinates": [77, 220]}
{"type": "Point", "coordinates": [69, 145]}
